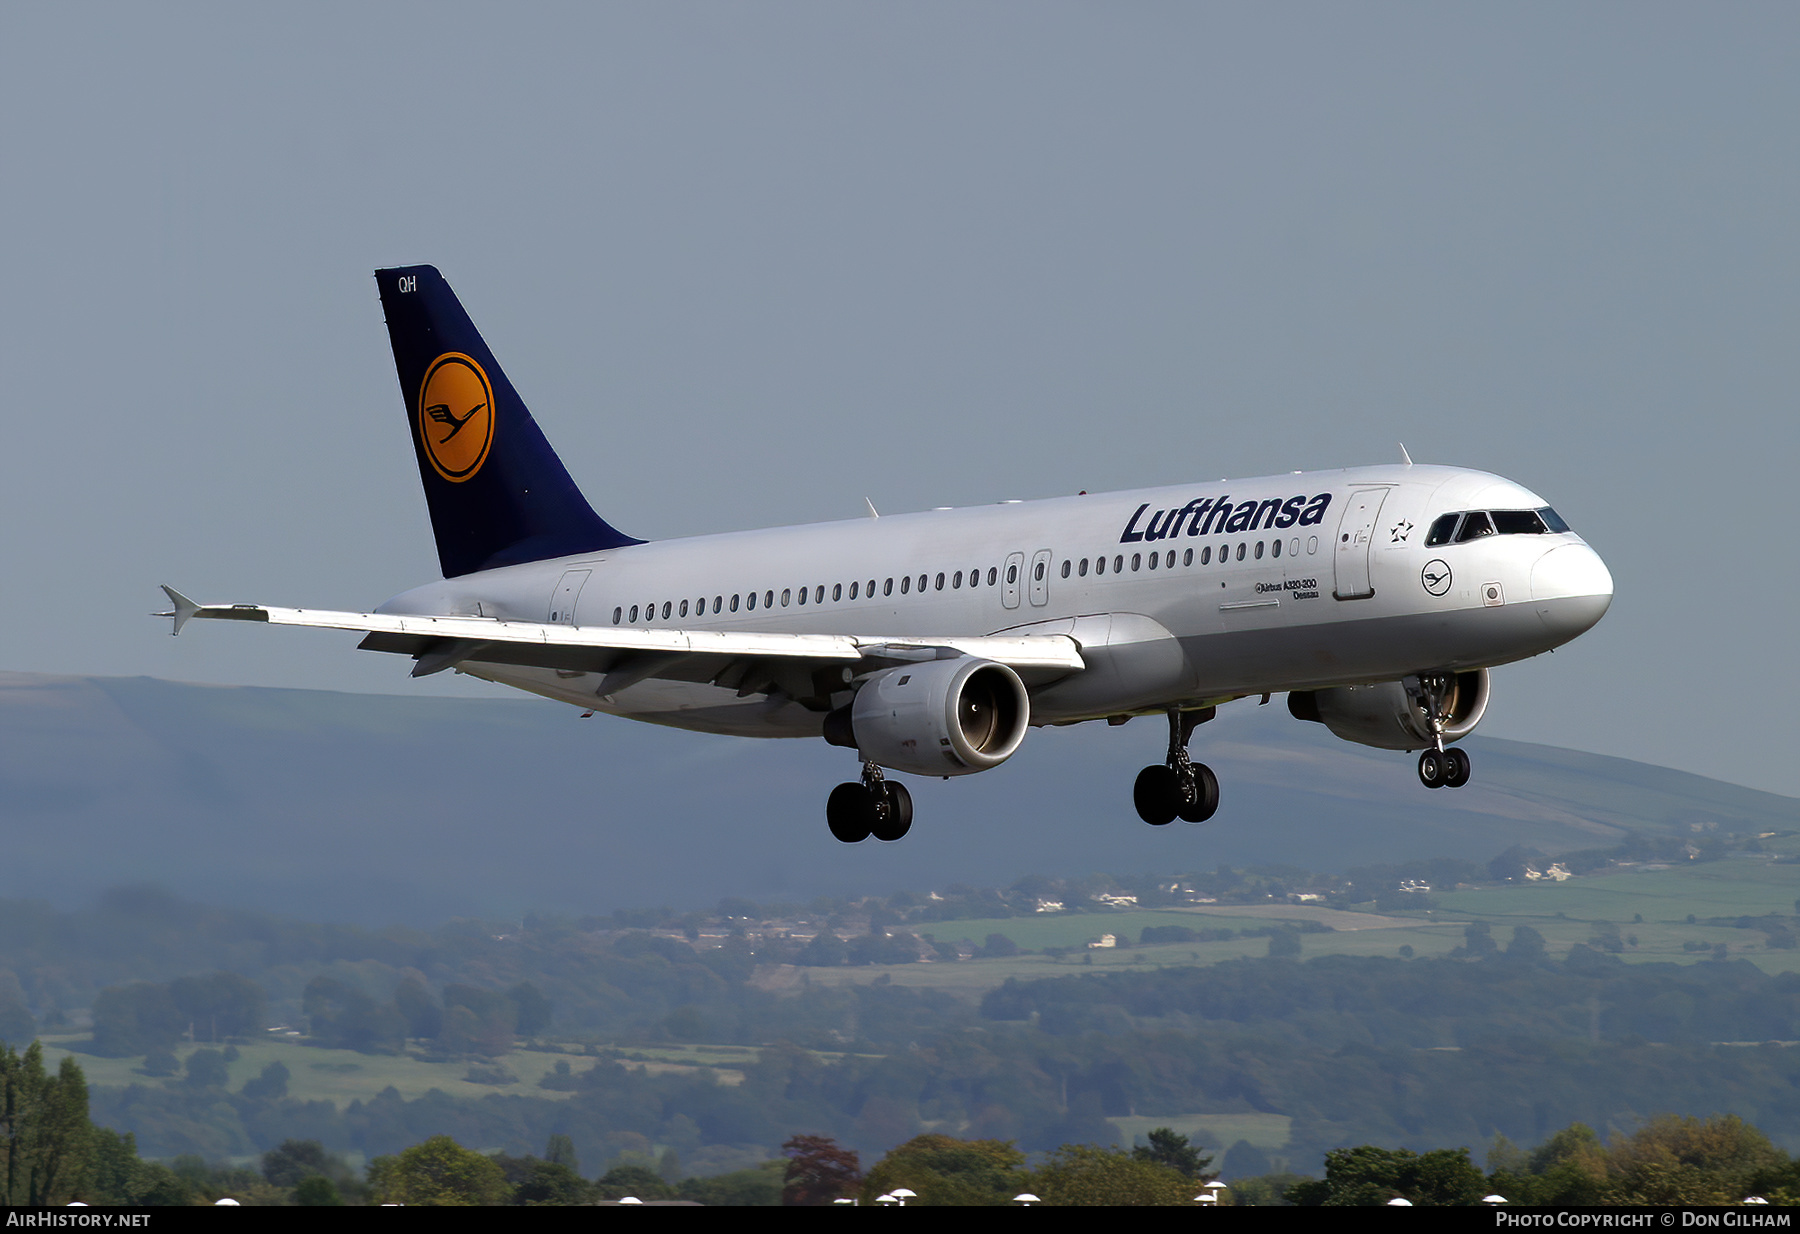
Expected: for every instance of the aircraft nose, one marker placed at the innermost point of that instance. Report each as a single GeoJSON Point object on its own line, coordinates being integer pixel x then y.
{"type": "Point", "coordinates": [1571, 589]}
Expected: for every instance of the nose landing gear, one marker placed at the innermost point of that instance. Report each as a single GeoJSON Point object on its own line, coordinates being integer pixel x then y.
{"type": "Point", "coordinates": [875, 807]}
{"type": "Point", "coordinates": [1444, 768]}
{"type": "Point", "coordinates": [1180, 788]}
{"type": "Point", "coordinates": [1439, 767]}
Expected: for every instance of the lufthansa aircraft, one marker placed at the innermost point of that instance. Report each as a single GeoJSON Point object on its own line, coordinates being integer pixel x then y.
{"type": "Point", "coordinates": [1377, 598]}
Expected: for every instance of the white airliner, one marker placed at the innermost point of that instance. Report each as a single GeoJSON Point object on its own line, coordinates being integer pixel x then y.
{"type": "Point", "coordinates": [1377, 598]}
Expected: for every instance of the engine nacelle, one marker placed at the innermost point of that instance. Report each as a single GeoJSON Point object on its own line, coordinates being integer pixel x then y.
{"type": "Point", "coordinates": [1391, 715]}
{"type": "Point", "coordinates": [937, 718]}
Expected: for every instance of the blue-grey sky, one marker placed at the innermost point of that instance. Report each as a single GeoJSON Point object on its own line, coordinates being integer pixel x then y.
{"type": "Point", "coordinates": [749, 263]}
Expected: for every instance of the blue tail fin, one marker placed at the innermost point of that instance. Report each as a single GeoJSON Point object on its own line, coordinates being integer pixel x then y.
{"type": "Point", "coordinates": [497, 493]}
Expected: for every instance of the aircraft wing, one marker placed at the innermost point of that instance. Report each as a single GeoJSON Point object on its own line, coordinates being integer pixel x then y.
{"type": "Point", "coordinates": [631, 654]}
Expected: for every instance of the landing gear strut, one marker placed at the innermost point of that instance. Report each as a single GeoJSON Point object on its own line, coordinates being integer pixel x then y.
{"type": "Point", "coordinates": [1180, 788]}
{"type": "Point", "coordinates": [1439, 767]}
{"type": "Point", "coordinates": [875, 807]}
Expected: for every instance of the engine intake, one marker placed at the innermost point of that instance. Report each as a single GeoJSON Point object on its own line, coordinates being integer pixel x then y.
{"type": "Point", "coordinates": [939, 718]}
{"type": "Point", "coordinates": [1391, 715]}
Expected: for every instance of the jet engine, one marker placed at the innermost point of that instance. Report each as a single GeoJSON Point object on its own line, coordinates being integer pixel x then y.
{"type": "Point", "coordinates": [938, 718]}
{"type": "Point", "coordinates": [1392, 714]}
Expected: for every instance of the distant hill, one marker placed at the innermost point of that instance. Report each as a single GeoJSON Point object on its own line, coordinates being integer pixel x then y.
{"type": "Point", "coordinates": [381, 809]}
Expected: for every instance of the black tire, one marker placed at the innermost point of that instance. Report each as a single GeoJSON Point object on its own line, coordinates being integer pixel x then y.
{"type": "Point", "coordinates": [1157, 795]}
{"type": "Point", "coordinates": [850, 812]}
{"type": "Point", "coordinates": [1457, 768]}
{"type": "Point", "coordinates": [899, 818]}
{"type": "Point", "coordinates": [1432, 769]}
{"type": "Point", "coordinates": [1205, 802]}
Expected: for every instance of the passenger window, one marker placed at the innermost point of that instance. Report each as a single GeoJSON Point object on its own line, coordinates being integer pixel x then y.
{"type": "Point", "coordinates": [1136, 560]}
{"type": "Point", "coordinates": [1294, 547]}
{"type": "Point", "coordinates": [1067, 566]}
{"type": "Point", "coordinates": [993, 574]}
{"type": "Point", "coordinates": [734, 603]}
{"type": "Point", "coordinates": [940, 580]}
{"type": "Point", "coordinates": [750, 602]}
{"type": "Point", "coordinates": [921, 582]}
{"type": "Point", "coordinates": [906, 584]}
{"type": "Point", "coordinates": [667, 609]}
{"type": "Point", "coordinates": [1474, 527]}
{"type": "Point", "coordinates": [1275, 549]}
{"type": "Point", "coordinates": [634, 609]}
{"type": "Point", "coordinates": [1206, 555]}
{"type": "Point", "coordinates": [786, 596]}
{"type": "Point", "coordinates": [1169, 561]}
{"type": "Point", "coordinates": [718, 601]}
{"type": "Point", "coordinates": [819, 594]}
{"type": "Point", "coordinates": [617, 613]}
{"type": "Point", "coordinates": [1099, 565]}
{"type": "Point", "coordinates": [956, 581]}
{"type": "Point", "coordinates": [1012, 575]}
{"type": "Point", "coordinates": [1037, 572]}
{"type": "Point", "coordinates": [802, 595]}
{"type": "Point", "coordinates": [1442, 530]}
{"type": "Point", "coordinates": [684, 608]}
{"type": "Point", "coordinates": [769, 599]}
{"type": "Point", "coordinates": [1240, 552]}
{"type": "Point", "coordinates": [1155, 560]}
{"type": "Point", "coordinates": [1187, 558]}
{"type": "Point", "coordinates": [887, 588]}
{"type": "Point", "coordinates": [1082, 568]}
{"type": "Point", "coordinates": [1118, 563]}
{"type": "Point", "coordinates": [1259, 550]}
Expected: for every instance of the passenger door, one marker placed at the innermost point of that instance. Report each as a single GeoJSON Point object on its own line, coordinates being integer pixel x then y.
{"type": "Point", "coordinates": [562, 600]}
{"type": "Point", "coordinates": [1356, 534]}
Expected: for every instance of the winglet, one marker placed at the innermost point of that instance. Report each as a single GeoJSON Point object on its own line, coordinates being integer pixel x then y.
{"type": "Point", "coordinates": [184, 608]}
{"type": "Point", "coordinates": [871, 505]}
{"type": "Point", "coordinates": [1404, 456]}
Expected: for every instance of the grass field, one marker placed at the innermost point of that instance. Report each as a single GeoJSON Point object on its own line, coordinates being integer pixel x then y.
{"type": "Point", "coordinates": [343, 1076]}
{"type": "Point", "coordinates": [1653, 904]}
{"type": "Point", "coordinates": [1213, 1132]}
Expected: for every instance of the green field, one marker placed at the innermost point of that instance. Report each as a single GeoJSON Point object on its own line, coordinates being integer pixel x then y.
{"type": "Point", "coordinates": [1650, 904]}
{"type": "Point", "coordinates": [1653, 904]}
{"type": "Point", "coordinates": [1213, 1132]}
{"type": "Point", "coordinates": [343, 1076]}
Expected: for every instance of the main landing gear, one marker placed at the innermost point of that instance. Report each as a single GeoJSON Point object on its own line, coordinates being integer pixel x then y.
{"type": "Point", "coordinates": [875, 807]}
{"type": "Point", "coordinates": [1439, 767]}
{"type": "Point", "coordinates": [1180, 788]}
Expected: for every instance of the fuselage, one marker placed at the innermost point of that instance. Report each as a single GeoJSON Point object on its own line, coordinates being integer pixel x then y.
{"type": "Point", "coordinates": [1178, 597]}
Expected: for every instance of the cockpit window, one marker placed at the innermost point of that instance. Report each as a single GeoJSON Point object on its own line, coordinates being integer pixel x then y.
{"type": "Point", "coordinates": [1478, 523]}
{"type": "Point", "coordinates": [1518, 523]}
{"type": "Point", "coordinates": [1442, 530]}
{"type": "Point", "coordinates": [1474, 526]}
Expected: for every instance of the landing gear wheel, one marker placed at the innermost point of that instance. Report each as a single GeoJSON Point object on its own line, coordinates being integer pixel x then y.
{"type": "Point", "coordinates": [896, 820]}
{"type": "Point", "coordinates": [1203, 802]}
{"type": "Point", "coordinates": [1432, 769]}
{"type": "Point", "coordinates": [850, 812]}
{"type": "Point", "coordinates": [1157, 795]}
{"type": "Point", "coordinates": [1456, 767]}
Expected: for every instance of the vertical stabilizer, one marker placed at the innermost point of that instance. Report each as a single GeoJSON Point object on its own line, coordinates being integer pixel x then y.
{"type": "Point", "coordinates": [497, 493]}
